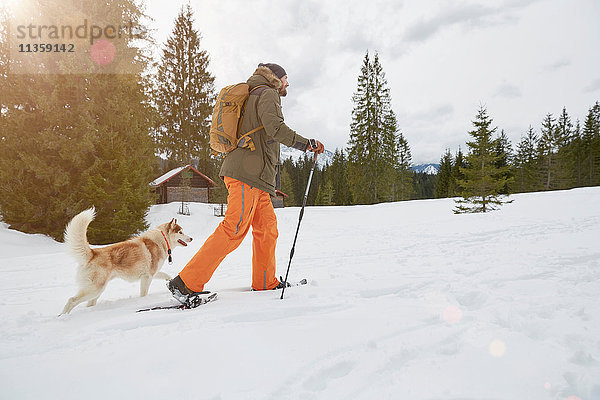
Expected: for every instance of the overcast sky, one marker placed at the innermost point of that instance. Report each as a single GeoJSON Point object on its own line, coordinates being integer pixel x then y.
{"type": "Point", "coordinates": [521, 59]}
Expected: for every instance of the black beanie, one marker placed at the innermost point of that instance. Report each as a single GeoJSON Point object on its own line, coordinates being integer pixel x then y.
{"type": "Point", "coordinates": [276, 69]}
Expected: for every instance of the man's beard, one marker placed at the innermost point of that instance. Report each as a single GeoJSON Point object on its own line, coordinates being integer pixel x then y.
{"type": "Point", "coordinates": [282, 92]}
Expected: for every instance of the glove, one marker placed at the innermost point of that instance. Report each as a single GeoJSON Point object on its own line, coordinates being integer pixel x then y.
{"type": "Point", "coordinates": [315, 146]}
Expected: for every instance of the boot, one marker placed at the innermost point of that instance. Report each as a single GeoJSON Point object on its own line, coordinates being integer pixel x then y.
{"type": "Point", "coordinates": [181, 292]}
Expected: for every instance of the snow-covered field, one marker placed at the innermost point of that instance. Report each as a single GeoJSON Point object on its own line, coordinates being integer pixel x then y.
{"type": "Point", "coordinates": [404, 301]}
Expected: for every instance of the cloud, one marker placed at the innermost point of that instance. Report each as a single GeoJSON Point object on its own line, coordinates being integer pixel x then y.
{"type": "Point", "coordinates": [592, 87]}
{"type": "Point", "coordinates": [425, 29]}
{"type": "Point", "coordinates": [508, 91]}
{"type": "Point", "coordinates": [469, 15]}
{"type": "Point", "coordinates": [558, 64]}
{"type": "Point", "coordinates": [431, 115]}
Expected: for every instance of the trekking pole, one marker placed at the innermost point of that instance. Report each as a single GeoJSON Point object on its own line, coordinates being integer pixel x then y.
{"type": "Point", "coordinates": [298, 227]}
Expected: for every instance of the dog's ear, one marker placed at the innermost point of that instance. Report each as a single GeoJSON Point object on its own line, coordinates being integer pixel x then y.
{"type": "Point", "coordinates": [175, 219]}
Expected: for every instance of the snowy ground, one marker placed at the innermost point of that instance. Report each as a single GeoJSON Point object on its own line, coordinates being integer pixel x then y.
{"type": "Point", "coordinates": [404, 301]}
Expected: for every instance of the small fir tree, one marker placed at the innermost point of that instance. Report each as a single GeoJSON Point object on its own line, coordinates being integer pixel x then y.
{"type": "Point", "coordinates": [483, 179]}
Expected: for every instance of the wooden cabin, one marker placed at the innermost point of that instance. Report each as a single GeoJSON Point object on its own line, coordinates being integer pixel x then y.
{"type": "Point", "coordinates": [279, 199]}
{"type": "Point", "coordinates": [172, 186]}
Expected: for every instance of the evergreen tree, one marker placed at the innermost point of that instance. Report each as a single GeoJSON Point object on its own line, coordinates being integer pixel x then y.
{"type": "Point", "coordinates": [576, 154]}
{"type": "Point", "coordinates": [443, 183]}
{"type": "Point", "coordinates": [424, 185]}
{"type": "Point", "coordinates": [184, 96]}
{"type": "Point", "coordinates": [457, 175]}
{"type": "Point", "coordinates": [564, 136]}
{"type": "Point", "coordinates": [483, 179]}
{"type": "Point", "coordinates": [525, 163]}
{"type": "Point", "coordinates": [292, 173]}
{"type": "Point", "coordinates": [553, 167]}
{"type": "Point", "coordinates": [504, 153]}
{"type": "Point", "coordinates": [66, 145]}
{"type": "Point", "coordinates": [403, 189]}
{"type": "Point", "coordinates": [372, 146]}
{"type": "Point", "coordinates": [591, 144]}
{"type": "Point", "coordinates": [325, 195]}
{"type": "Point", "coordinates": [301, 171]}
{"type": "Point", "coordinates": [286, 187]}
{"type": "Point", "coordinates": [339, 178]}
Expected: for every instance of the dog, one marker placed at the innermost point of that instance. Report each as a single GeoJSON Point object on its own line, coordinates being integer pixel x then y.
{"type": "Point", "coordinates": [139, 258]}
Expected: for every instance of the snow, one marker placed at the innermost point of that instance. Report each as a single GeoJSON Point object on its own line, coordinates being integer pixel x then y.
{"type": "Point", "coordinates": [405, 301]}
{"type": "Point", "coordinates": [168, 175]}
{"type": "Point", "coordinates": [324, 159]}
{"type": "Point", "coordinates": [429, 169]}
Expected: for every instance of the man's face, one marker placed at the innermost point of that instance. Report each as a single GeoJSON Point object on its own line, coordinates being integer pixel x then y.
{"type": "Point", "coordinates": [284, 86]}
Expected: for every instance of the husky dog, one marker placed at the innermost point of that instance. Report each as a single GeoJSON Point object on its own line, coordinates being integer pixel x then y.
{"type": "Point", "coordinates": [139, 258]}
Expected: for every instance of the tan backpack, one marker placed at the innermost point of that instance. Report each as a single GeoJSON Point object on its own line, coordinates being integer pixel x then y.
{"type": "Point", "coordinates": [227, 118]}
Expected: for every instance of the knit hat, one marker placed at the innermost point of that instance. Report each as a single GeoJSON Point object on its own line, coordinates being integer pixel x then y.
{"type": "Point", "coordinates": [276, 69]}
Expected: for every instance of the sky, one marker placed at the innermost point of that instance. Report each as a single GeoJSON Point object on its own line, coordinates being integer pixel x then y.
{"type": "Point", "coordinates": [521, 59]}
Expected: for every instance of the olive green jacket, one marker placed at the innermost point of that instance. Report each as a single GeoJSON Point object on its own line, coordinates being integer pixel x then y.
{"type": "Point", "coordinates": [258, 168]}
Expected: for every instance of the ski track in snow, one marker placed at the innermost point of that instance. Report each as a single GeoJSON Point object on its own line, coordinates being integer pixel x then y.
{"type": "Point", "coordinates": [404, 300]}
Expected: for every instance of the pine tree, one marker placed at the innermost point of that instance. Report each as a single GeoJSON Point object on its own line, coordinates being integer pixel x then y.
{"type": "Point", "coordinates": [424, 185]}
{"type": "Point", "coordinates": [526, 164]}
{"type": "Point", "coordinates": [403, 189]}
{"type": "Point", "coordinates": [184, 96]}
{"type": "Point", "coordinates": [457, 175]}
{"type": "Point", "coordinates": [576, 153]}
{"type": "Point", "coordinates": [564, 136]}
{"type": "Point", "coordinates": [372, 145]}
{"type": "Point", "coordinates": [286, 187]}
{"type": "Point", "coordinates": [504, 153]}
{"type": "Point", "coordinates": [338, 171]}
{"type": "Point", "coordinates": [325, 195]}
{"type": "Point", "coordinates": [483, 179]}
{"type": "Point", "coordinates": [591, 144]}
{"type": "Point", "coordinates": [553, 166]}
{"type": "Point", "coordinates": [66, 145]}
{"type": "Point", "coordinates": [443, 183]}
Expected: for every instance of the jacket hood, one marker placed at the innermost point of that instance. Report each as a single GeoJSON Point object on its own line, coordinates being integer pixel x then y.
{"type": "Point", "coordinates": [264, 76]}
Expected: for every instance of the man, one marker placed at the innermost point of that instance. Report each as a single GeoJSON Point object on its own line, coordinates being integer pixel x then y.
{"type": "Point", "coordinates": [250, 179]}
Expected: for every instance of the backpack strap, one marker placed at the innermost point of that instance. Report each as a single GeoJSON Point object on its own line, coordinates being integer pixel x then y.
{"type": "Point", "coordinates": [258, 90]}
{"type": "Point", "coordinates": [245, 140]}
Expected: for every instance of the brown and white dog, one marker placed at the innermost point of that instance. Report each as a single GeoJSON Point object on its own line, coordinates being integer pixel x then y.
{"type": "Point", "coordinates": [139, 258]}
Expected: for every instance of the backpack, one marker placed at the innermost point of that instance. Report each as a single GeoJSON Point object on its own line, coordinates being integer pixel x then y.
{"type": "Point", "coordinates": [228, 112]}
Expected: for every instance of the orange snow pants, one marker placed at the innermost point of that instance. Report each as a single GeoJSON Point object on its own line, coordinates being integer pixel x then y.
{"type": "Point", "coordinates": [246, 206]}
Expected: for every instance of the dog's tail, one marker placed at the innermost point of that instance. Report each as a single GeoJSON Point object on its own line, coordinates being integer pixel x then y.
{"type": "Point", "coordinates": [76, 235]}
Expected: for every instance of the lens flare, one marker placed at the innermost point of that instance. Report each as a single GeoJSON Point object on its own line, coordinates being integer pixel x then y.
{"type": "Point", "coordinates": [497, 348]}
{"type": "Point", "coordinates": [452, 314]}
{"type": "Point", "coordinates": [103, 52]}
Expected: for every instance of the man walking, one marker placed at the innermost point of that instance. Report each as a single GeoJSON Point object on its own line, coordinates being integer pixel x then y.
{"type": "Point", "coordinates": [250, 179]}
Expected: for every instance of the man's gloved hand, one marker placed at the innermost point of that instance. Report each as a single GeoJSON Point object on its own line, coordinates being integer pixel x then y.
{"type": "Point", "coordinates": [315, 146]}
